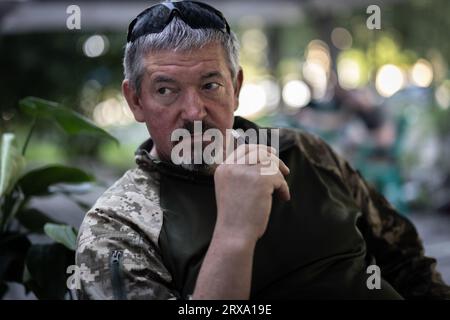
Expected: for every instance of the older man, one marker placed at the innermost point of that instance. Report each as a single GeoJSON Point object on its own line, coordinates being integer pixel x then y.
{"type": "Point", "coordinates": [313, 228]}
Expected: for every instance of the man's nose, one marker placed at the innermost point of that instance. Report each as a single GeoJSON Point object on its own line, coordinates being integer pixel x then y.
{"type": "Point", "coordinates": [193, 106]}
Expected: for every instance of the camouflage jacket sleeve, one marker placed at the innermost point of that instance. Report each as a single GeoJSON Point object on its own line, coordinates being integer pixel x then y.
{"type": "Point", "coordinates": [117, 249]}
{"type": "Point", "coordinates": [392, 240]}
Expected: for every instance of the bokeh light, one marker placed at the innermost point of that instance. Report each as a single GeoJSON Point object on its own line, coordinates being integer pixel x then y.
{"type": "Point", "coordinates": [254, 40]}
{"type": "Point", "coordinates": [349, 73]}
{"type": "Point", "coordinates": [113, 112]}
{"type": "Point", "coordinates": [296, 94]}
{"type": "Point", "coordinates": [95, 46]}
{"type": "Point", "coordinates": [422, 73]}
{"type": "Point", "coordinates": [252, 100]}
{"type": "Point", "coordinates": [341, 38]}
{"type": "Point", "coordinates": [316, 76]}
{"type": "Point", "coordinates": [318, 52]}
{"type": "Point", "coordinates": [272, 92]}
{"type": "Point", "coordinates": [442, 95]}
{"type": "Point", "coordinates": [389, 80]}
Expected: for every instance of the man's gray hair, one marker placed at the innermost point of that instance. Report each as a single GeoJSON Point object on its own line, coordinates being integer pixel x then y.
{"type": "Point", "coordinates": [177, 35]}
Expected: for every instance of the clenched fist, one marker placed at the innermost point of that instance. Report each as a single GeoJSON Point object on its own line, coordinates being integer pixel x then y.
{"type": "Point", "coordinates": [244, 191]}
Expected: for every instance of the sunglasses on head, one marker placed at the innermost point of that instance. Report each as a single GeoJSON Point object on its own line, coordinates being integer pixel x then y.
{"type": "Point", "coordinates": [196, 14]}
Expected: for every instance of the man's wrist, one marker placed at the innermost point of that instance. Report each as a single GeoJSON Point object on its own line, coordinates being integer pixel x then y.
{"type": "Point", "coordinates": [232, 240]}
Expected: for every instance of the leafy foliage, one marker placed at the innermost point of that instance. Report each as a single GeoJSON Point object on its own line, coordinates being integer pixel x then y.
{"type": "Point", "coordinates": [40, 267]}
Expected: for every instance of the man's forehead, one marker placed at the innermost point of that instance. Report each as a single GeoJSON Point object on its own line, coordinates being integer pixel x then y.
{"type": "Point", "coordinates": [159, 77]}
{"type": "Point", "coordinates": [161, 63]}
{"type": "Point", "coordinates": [197, 67]}
{"type": "Point", "coordinates": [211, 54]}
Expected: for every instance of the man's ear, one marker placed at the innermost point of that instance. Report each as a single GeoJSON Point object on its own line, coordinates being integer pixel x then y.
{"type": "Point", "coordinates": [238, 86]}
{"type": "Point", "coordinates": [133, 101]}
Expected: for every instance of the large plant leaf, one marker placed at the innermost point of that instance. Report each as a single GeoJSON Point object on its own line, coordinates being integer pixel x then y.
{"type": "Point", "coordinates": [82, 205]}
{"type": "Point", "coordinates": [3, 289]}
{"type": "Point", "coordinates": [34, 219]}
{"type": "Point", "coordinates": [45, 272]}
{"type": "Point", "coordinates": [38, 181]}
{"type": "Point", "coordinates": [61, 233]}
{"type": "Point", "coordinates": [70, 121]}
{"type": "Point", "coordinates": [70, 189]}
{"type": "Point", "coordinates": [10, 204]}
{"type": "Point", "coordinates": [11, 163]}
{"type": "Point", "coordinates": [13, 250]}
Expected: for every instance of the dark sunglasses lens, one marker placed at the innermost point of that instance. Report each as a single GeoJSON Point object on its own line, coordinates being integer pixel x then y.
{"type": "Point", "coordinates": [152, 20]}
{"type": "Point", "coordinates": [195, 14]}
{"type": "Point", "coordinates": [198, 15]}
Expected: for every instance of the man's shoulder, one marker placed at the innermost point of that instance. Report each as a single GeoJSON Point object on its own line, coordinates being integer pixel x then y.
{"type": "Point", "coordinates": [135, 186]}
{"type": "Point", "coordinates": [313, 148]}
{"type": "Point", "coordinates": [132, 202]}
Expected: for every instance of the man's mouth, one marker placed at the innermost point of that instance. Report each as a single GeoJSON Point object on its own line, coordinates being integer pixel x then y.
{"type": "Point", "coordinates": [195, 139]}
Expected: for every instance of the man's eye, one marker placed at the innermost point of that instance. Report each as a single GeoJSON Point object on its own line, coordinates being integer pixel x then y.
{"type": "Point", "coordinates": [164, 91]}
{"type": "Point", "coordinates": [211, 86]}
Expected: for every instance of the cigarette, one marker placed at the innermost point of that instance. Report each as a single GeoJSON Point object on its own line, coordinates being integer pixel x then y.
{"type": "Point", "coordinates": [239, 138]}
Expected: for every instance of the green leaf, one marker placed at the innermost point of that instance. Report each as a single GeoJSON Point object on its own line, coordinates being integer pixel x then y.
{"type": "Point", "coordinates": [70, 189]}
{"type": "Point", "coordinates": [33, 219]}
{"type": "Point", "coordinates": [70, 121]}
{"type": "Point", "coordinates": [38, 181]}
{"type": "Point", "coordinates": [10, 204]}
{"type": "Point", "coordinates": [63, 234]}
{"type": "Point", "coordinates": [45, 272]}
{"type": "Point", "coordinates": [11, 163]}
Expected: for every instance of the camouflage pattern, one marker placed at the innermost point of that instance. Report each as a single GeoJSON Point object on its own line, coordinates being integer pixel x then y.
{"type": "Point", "coordinates": [119, 237]}
{"type": "Point", "coordinates": [392, 240]}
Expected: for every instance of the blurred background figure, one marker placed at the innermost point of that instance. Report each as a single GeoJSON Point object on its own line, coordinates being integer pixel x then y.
{"type": "Point", "coordinates": [380, 97]}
